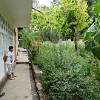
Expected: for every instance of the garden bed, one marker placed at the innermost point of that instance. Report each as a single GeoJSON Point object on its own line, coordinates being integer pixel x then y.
{"type": "Point", "coordinates": [66, 75]}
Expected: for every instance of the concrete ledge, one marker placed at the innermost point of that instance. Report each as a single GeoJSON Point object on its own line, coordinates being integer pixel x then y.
{"type": "Point", "coordinates": [22, 62]}
{"type": "Point", "coordinates": [37, 74]}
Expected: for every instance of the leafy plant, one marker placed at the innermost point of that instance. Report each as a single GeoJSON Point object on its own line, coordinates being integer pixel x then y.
{"type": "Point", "coordinates": [67, 76]}
{"type": "Point", "coordinates": [93, 38]}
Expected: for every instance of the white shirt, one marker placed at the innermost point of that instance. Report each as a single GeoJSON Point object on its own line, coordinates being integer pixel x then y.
{"type": "Point", "coordinates": [10, 59]}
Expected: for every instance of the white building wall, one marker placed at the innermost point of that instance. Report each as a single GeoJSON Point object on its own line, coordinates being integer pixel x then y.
{"type": "Point", "coordinates": [6, 37]}
{"type": "Point", "coordinates": [16, 42]}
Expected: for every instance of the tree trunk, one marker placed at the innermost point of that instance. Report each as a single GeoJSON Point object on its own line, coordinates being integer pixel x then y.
{"type": "Point", "coordinates": [76, 44]}
{"type": "Point", "coordinates": [74, 37]}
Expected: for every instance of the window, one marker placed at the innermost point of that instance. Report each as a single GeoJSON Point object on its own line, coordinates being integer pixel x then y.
{"type": "Point", "coordinates": [6, 35]}
{"type": "Point", "coordinates": [1, 44]}
{"type": "Point", "coordinates": [6, 26]}
{"type": "Point", "coordinates": [1, 21]}
{"type": "Point", "coordinates": [3, 24]}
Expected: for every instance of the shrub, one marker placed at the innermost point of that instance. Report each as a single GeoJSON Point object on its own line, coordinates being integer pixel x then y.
{"type": "Point", "coordinates": [96, 51]}
{"type": "Point", "coordinates": [67, 76]}
{"type": "Point", "coordinates": [75, 82]}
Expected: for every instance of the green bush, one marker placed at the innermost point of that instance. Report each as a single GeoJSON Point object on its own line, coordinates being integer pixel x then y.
{"type": "Point", "coordinates": [96, 52]}
{"type": "Point", "coordinates": [68, 85]}
{"type": "Point", "coordinates": [90, 44]}
{"type": "Point", "coordinates": [54, 52]}
{"type": "Point", "coordinates": [67, 76]}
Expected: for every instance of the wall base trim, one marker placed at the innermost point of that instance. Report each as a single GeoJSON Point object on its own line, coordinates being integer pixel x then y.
{"type": "Point", "coordinates": [3, 81]}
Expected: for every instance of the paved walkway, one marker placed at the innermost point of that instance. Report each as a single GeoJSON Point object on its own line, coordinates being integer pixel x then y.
{"type": "Point", "coordinates": [20, 88]}
{"type": "Point", "coordinates": [22, 56]}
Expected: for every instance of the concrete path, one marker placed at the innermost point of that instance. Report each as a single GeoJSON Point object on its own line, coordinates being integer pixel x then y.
{"type": "Point", "coordinates": [22, 56]}
{"type": "Point", "coordinates": [20, 88]}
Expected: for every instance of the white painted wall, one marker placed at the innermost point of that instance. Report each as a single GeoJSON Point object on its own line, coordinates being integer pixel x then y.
{"type": "Point", "coordinates": [6, 38]}
{"type": "Point", "coordinates": [2, 73]}
{"type": "Point", "coordinates": [17, 42]}
{"type": "Point", "coordinates": [15, 15]}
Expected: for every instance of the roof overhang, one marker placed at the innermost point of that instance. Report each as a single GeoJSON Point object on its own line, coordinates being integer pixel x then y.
{"type": "Point", "coordinates": [19, 10]}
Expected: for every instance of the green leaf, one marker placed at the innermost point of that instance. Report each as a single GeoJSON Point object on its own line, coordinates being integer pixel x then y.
{"type": "Point", "coordinates": [89, 35]}
{"type": "Point", "coordinates": [97, 8]}
{"type": "Point", "coordinates": [96, 52]}
{"type": "Point", "coordinates": [97, 37]}
{"type": "Point", "coordinates": [89, 44]}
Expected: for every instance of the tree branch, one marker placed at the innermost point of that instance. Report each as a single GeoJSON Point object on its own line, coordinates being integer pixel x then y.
{"type": "Point", "coordinates": [36, 10]}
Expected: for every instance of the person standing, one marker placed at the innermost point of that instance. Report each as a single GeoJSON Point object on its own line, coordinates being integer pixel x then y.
{"type": "Point", "coordinates": [9, 62]}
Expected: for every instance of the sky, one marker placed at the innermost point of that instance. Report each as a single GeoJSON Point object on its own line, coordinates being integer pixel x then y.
{"type": "Point", "coordinates": [44, 2]}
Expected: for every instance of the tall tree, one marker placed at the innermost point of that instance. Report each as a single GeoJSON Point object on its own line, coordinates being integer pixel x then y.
{"type": "Point", "coordinates": [69, 17]}
{"type": "Point", "coordinates": [75, 16]}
